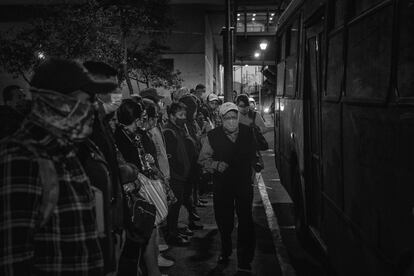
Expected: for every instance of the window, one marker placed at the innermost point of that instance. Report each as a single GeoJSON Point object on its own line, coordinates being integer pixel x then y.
{"type": "Point", "coordinates": [406, 54]}
{"type": "Point", "coordinates": [256, 21]}
{"type": "Point", "coordinates": [359, 6]}
{"type": "Point", "coordinates": [292, 36]}
{"type": "Point", "coordinates": [368, 61]}
{"type": "Point", "coordinates": [335, 67]}
{"type": "Point", "coordinates": [339, 8]}
{"type": "Point", "coordinates": [280, 78]}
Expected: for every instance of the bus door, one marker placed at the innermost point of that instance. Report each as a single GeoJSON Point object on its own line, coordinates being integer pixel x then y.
{"type": "Point", "coordinates": [312, 116]}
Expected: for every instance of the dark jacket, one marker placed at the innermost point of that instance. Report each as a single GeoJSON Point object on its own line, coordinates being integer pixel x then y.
{"type": "Point", "coordinates": [177, 146]}
{"type": "Point", "coordinates": [238, 155]}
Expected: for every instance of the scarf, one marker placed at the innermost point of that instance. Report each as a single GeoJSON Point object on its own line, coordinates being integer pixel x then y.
{"type": "Point", "coordinates": [63, 116]}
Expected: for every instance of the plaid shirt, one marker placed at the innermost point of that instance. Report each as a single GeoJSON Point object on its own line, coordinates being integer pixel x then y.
{"type": "Point", "coordinates": [68, 243]}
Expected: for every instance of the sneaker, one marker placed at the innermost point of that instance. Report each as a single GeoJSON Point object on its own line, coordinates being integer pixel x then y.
{"type": "Point", "coordinates": [194, 226]}
{"type": "Point", "coordinates": [186, 232]}
{"type": "Point", "coordinates": [162, 247]}
{"type": "Point", "coordinates": [194, 217]}
{"type": "Point", "coordinates": [178, 241]}
{"type": "Point", "coordinates": [163, 262]}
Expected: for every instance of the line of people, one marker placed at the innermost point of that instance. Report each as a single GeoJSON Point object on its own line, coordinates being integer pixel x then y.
{"type": "Point", "coordinates": [72, 168]}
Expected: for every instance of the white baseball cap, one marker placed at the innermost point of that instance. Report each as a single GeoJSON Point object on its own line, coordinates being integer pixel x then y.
{"type": "Point", "coordinates": [212, 97]}
{"type": "Point", "coordinates": [228, 106]}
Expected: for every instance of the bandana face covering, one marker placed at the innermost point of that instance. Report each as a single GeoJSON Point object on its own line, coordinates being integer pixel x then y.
{"type": "Point", "coordinates": [64, 116]}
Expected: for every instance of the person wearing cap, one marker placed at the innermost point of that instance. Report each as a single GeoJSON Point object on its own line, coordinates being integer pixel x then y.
{"type": "Point", "coordinates": [177, 94]}
{"type": "Point", "coordinates": [228, 153]}
{"type": "Point", "coordinates": [213, 108]}
{"type": "Point", "coordinates": [49, 224]}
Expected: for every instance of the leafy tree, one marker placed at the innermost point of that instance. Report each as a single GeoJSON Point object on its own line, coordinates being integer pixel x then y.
{"type": "Point", "coordinates": [103, 30]}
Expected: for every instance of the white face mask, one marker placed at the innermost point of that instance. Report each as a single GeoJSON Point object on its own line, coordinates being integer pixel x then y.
{"type": "Point", "coordinates": [113, 104]}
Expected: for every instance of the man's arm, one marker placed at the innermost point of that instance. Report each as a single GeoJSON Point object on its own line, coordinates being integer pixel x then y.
{"type": "Point", "coordinates": [20, 197]}
{"type": "Point", "coordinates": [205, 158]}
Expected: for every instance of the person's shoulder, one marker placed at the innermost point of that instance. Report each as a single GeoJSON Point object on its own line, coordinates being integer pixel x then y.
{"type": "Point", "coordinates": [14, 150]}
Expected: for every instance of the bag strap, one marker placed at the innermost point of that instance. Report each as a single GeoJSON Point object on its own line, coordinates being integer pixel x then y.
{"type": "Point", "coordinates": [49, 180]}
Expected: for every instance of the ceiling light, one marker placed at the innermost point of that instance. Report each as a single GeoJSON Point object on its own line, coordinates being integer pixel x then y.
{"type": "Point", "coordinates": [246, 65]}
{"type": "Point", "coordinates": [271, 18]}
{"type": "Point", "coordinates": [256, 54]}
{"type": "Point", "coordinates": [238, 14]}
{"type": "Point", "coordinates": [272, 14]}
{"type": "Point", "coordinates": [238, 19]}
{"type": "Point", "coordinates": [263, 45]}
{"type": "Point", "coordinates": [253, 19]}
{"type": "Point", "coordinates": [254, 14]}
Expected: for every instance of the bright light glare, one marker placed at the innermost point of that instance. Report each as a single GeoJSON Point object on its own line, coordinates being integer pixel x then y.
{"type": "Point", "coordinates": [238, 19]}
{"type": "Point", "coordinates": [266, 110]}
{"type": "Point", "coordinates": [246, 65]}
{"type": "Point", "coordinates": [256, 54]}
{"type": "Point", "coordinates": [263, 45]}
{"type": "Point", "coordinates": [254, 14]}
{"type": "Point", "coordinates": [271, 18]}
{"type": "Point", "coordinates": [238, 14]}
{"type": "Point", "coordinates": [253, 19]}
{"type": "Point", "coordinates": [272, 14]}
{"type": "Point", "coordinates": [41, 55]}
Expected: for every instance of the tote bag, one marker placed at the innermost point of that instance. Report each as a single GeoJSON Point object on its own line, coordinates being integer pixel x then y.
{"type": "Point", "coordinates": [154, 191]}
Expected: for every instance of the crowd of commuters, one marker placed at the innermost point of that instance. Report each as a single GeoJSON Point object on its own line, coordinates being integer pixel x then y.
{"type": "Point", "coordinates": [75, 157]}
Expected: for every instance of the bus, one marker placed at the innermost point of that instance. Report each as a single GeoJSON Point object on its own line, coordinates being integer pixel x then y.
{"type": "Point", "coordinates": [344, 129]}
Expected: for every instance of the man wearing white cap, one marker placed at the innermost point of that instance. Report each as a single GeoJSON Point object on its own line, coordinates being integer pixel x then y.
{"type": "Point", "coordinates": [228, 153]}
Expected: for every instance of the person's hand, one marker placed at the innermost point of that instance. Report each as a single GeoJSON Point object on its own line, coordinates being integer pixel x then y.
{"type": "Point", "coordinates": [222, 166]}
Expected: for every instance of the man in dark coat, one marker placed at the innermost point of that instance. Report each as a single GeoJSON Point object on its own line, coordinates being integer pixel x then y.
{"type": "Point", "coordinates": [228, 152]}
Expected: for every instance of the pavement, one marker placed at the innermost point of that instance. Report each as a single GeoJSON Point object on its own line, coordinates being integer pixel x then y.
{"type": "Point", "coordinates": [278, 251]}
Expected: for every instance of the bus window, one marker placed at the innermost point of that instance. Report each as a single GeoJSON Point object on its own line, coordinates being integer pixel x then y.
{"type": "Point", "coordinates": [291, 59]}
{"type": "Point", "coordinates": [406, 54]}
{"type": "Point", "coordinates": [339, 13]}
{"type": "Point", "coordinates": [335, 67]}
{"type": "Point", "coordinates": [280, 78]}
{"type": "Point", "coordinates": [359, 6]}
{"type": "Point", "coordinates": [368, 62]}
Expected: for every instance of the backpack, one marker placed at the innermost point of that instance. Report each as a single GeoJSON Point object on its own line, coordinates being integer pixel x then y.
{"type": "Point", "coordinates": [48, 178]}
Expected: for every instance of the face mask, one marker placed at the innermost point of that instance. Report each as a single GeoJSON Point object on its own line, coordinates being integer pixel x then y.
{"type": "Point", "coordinates": [62, 115]}
{"type": "Point", "coordinates": [113, 105]}
{"type": "Point", "coordinates": [180, 122]}
{"type": "Point", "coordinates": [231, 125]}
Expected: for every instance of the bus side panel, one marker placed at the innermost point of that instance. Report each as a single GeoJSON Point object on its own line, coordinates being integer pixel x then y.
{"type": "Point", "coordinates": [378, 164]}
{"type": "Point", "coordinates": [331, 149]}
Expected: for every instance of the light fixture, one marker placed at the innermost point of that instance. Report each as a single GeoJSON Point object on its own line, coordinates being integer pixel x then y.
{"type": "Point", "coordinates": [254, 14]}
{"type": "Point", "coordinates": [238, 14]}
{"type": "Point", "coordinates": [246, 65]}
{"type": "Point", "coordinates": [271, 18]}
{"type": "Point", "coordinates": [253, 19]}
{"type": "Point", "coordinates": [263, 45]}
{"type": "Point", "coordinates": [272, 14]}
{"type": "Point", "coordinates": [238, 19]}
{"type": "Point", "coordinates": [256, 54]}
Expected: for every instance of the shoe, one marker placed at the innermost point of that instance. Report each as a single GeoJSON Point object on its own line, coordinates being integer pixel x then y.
{"type": "Point", "coordinates": [162, 247]}
{"type": "Point", "coordinates": [186, 232]}
{"type": "Point", "coordinates": [163, 262]}
{"type": "Point", "coordinates": [199, 204]}
{"type": "Point", "coordinates": [223, 260]}
{"type": "Point", "coordinates": [194, 226]}
{"type": "Point", "coordinates": [194, 217]}
{"type": "Point", "coordinates": [178, 241]}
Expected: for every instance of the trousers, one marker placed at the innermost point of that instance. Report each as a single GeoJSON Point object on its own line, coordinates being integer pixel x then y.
{"type": "Point", "coordinates": [229, 198]}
